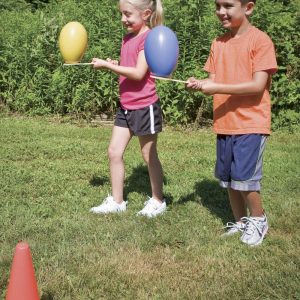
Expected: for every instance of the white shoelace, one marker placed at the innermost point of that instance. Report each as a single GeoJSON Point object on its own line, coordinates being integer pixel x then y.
{"type": "Point", "coordinates": [230, 225]}
{"type": "Point", "coordinates": [251, 225]}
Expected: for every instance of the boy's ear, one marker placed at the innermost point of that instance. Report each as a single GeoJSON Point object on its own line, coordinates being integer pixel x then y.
{"type": "Point", "coordinates": [249, 8]}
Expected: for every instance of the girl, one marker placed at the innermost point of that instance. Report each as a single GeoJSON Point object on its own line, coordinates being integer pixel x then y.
{"type": "Point", "coordinates": [139, 112]}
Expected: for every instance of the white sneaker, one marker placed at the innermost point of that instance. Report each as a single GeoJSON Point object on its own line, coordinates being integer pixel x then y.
{"type": "Point", "coordinates": [153, 208]}
{"type": "Point", "coordinates": [255, 230]}
{"type": "Point", "coordinates": [109, 205]}
{"type": "Point", "coordinates": [234, 228]}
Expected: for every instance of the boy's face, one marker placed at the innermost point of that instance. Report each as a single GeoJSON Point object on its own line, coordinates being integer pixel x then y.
{"type": "Point", "coordinates": [232, 13]}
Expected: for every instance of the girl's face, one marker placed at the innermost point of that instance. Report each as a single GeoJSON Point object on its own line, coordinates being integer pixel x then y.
{"type": "Point", "coordinates": [231, 13]}
{"type": "Point", "coordinates": [133, 19]}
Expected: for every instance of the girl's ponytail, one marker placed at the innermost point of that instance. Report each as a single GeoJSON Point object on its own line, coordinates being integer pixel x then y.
{"type": "Point", "coordinates": [155, 6]}
{"type": "Point", "coordinates": [157, 14]}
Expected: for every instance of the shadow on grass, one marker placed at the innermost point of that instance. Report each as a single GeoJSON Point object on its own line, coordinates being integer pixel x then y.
{"type": "Point", "coordinates": [98, 181]}
{"type": "Point", "coordinates": [139, 182]}
{"type": "Point", "coordinates": [209, 194]}
{"type": "Point", "coordinates": [47, 296]}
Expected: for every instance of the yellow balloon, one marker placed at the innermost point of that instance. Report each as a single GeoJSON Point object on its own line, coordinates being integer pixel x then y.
{"type": "Point", "coordinates": [73, 42]}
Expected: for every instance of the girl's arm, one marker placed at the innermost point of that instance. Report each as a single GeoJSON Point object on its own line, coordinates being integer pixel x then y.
{"type": "Point", "coordinates": [134, 73]}
{"type": "Point", "coordinates": [256, 86]}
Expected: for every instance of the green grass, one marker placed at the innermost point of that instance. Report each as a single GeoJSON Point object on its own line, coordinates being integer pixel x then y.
{"type": "Point", "coordinates": [52, 173]}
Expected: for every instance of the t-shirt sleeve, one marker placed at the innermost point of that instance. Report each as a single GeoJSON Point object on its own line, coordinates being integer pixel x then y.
{"type": "Point", "coordinates": [210, 65]}
{"type": "Point", "coordinates": [264, 57]}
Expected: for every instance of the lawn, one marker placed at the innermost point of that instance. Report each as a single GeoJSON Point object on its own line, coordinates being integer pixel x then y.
{"type": "Point", "coordinates": [53, 172]}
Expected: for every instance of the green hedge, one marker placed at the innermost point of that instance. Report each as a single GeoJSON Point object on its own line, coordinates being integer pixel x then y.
{"type": "Point", "coordinates": [33, 80]}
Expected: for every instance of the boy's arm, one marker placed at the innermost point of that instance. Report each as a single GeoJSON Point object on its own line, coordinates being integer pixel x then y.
{"type": "Point", "coordinates": [196, 84]}
{"type": "Point", "coordinates": [212, 76]}
{"type": "Point", "coordinates": [256, 86]}
{"type": "Point", "coordinates": [135, 73]}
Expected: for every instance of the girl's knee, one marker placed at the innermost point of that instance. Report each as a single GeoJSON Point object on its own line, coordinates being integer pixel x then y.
{"type": "Point", "coordinates": [146, 158]}
{"type": "Point", "coordinates": [114, 154]}
{"type": "Point", "coordinates": [149, 156]}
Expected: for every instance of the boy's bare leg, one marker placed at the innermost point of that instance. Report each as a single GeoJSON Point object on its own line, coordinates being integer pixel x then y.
{"type": "Point", "coordinates": [118, 143]}
{"type": "Point", "coordinates": [254, 204]}
{"type": "Point", "coordinates": [149, 151]}
{"type": "Point", "coordinates": [237, 204]}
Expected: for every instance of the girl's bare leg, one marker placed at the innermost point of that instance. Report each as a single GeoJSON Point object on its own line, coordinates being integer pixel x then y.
{"type": "Point", "coordinates": [148, 145]}
{"type": "Point", "coordinates": [118, 143]}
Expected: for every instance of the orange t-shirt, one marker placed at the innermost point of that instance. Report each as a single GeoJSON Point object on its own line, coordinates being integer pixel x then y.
{"type": "Point", "coordinates": [234, 60]}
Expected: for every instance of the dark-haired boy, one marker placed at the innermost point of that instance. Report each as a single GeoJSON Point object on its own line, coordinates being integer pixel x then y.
{"type": "Point", "coordinates": [240, 66]}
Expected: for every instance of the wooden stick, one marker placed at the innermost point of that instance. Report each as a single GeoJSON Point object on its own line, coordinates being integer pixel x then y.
{"type": "Point", "coordinates": [78, 64]}
{"type": "Point", "coordinates": [169, 79]}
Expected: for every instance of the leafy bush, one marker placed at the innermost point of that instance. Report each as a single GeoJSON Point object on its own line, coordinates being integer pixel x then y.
{"type": "Point", "coordinates": [286, 37]}
{"type": "Point", "coordinates": [33, 80]}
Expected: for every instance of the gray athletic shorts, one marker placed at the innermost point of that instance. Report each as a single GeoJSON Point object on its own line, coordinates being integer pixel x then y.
{"type": "Point", "coordinates": [144, 121]}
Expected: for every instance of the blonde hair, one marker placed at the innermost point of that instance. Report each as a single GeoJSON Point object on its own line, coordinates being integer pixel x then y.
{"type": "Point", "coordinates": [155, 6]}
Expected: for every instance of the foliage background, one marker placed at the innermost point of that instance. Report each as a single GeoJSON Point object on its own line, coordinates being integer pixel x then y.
{"type": "Point", "coordinates": [33, 81]}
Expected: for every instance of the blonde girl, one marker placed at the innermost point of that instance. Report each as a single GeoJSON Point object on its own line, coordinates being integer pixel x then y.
{"type": "Point", "coordinates": [139, 112]}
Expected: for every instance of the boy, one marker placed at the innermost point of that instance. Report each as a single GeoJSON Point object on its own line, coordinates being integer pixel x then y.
{"type": "Point", "coordinates": [240, 66]}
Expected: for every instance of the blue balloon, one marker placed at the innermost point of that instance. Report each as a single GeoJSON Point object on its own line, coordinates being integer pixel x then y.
{"type": "Point", "coordinates": [161, 51]}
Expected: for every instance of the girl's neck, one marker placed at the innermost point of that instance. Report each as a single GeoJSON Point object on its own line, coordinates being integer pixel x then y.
{"type": "Point", "coordinates": [143, 29]}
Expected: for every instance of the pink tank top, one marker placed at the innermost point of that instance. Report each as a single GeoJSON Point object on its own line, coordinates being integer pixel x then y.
{"type": "Point", "coordinates": [135, 94]}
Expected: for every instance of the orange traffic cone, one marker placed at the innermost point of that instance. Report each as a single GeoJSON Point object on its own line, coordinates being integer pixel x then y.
{"type": "Point", "coordinates": [22, 284]}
